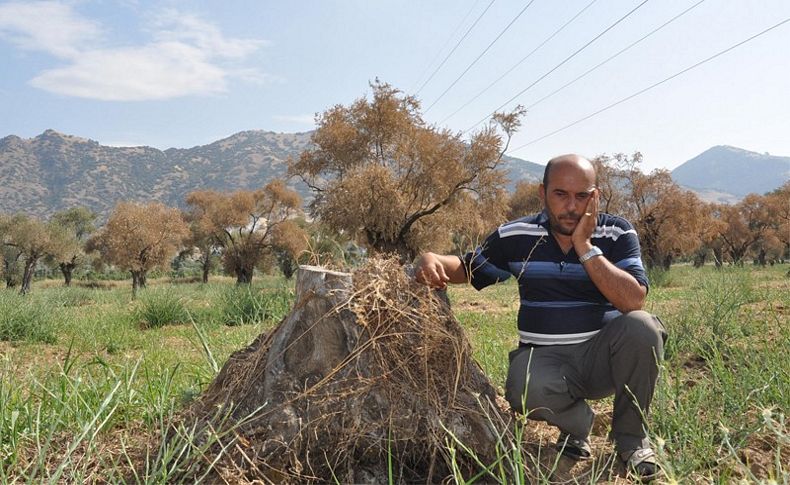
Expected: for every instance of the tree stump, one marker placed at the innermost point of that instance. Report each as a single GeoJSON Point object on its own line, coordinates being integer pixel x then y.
{"type": "Point", "coordinates": [369, 376]}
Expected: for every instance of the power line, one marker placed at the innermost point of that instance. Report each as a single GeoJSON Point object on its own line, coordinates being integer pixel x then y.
{"type": "Point", "coordinates": [556, 32]}
{"type": "Point", "coordinates": [544, 98]}
{"type": "Point", "coordinates": [479, 56]}
{"type": "Point", "coordinates": [456, 46]}
{"type": "Point", "coordinates": [447, 42]}
{"type": "Point", "coordinates": [559, 65]}
{"type": "Point", "coordinates": [714, 56]}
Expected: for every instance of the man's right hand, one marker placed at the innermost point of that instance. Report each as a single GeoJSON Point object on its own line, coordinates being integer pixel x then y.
{"type": "Point", "coordinates": [437, 270]}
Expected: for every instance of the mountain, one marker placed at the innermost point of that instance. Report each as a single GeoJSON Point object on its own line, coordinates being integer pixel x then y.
{"type": "Point", "coordinates": [725, 172]}
{"type": "Point", "coordinates": [53, 171]}
{"type": "Point", "coordinates": [518, 169]}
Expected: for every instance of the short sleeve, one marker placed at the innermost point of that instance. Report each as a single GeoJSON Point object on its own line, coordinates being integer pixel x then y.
{"type": "Point", "coordinates": [487, 264]}
{"type": "Point", "coordinates": [626, 254]}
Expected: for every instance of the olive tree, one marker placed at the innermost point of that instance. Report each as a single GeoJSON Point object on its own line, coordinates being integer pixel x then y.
{"type": "Point", "coordinates": [380, 173]}
{"type": "Point", "coordinates": [140, 237]}
{"type": "Point", "coordinates": [246, 224]}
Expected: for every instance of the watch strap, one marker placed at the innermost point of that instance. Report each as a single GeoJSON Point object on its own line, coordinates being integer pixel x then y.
{"type": "Point", "coordinates": [595, 251]}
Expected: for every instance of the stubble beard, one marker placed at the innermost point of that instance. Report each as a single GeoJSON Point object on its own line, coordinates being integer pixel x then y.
{"type": "Point", "coordinates": [558, 227]}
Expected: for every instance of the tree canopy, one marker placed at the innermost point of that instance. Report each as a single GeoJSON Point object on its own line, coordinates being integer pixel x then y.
{"type": "Point", "coordinates": [76, 224]}
{"type": "Point", "coordinates": [385, 177]}
{"type": "Point", "coordinates": [140, 237]}
{"type": "Point", "coordinates": [247, 224]}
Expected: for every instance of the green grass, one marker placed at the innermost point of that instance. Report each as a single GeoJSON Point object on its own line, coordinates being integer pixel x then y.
{"type": "Point", "coordinates": [86, 388]}
{"type": "Point", "coordinates": [159, 307]}
{"type": "Point", "coordinates": [28, 319]}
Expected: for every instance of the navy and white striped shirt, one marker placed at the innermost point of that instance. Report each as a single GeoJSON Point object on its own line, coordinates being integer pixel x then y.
{"type": "Point", "coordinates": [560, 305]}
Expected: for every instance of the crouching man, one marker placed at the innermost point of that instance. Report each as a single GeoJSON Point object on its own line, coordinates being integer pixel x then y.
{"type": "Point", "coordinates": [582, 331]}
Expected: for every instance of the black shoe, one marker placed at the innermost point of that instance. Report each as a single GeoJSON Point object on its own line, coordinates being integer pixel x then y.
{"type": "Point", "coordinates": [574, 448]}
{"type": "Point", "coordinates": [641, 463]}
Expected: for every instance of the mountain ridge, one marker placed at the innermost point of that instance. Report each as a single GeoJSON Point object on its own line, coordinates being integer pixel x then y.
{"type": "Point", "coordinates": [53, 171]}
{"type": "Point", "coordinates": [722, 168]}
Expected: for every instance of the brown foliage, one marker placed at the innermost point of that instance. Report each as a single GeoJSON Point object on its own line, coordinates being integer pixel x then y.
{"type": "Point", "coordinates": [779, 206]}
{"type": "Point", "coordinates": [32, 240]}
{"type": "Point", "coordinates": [751, 226]}
{"type": "Point", "coordinates": [140, 237]}
{"type": "Point", "coordinates": [525, 200]}
{"type": "Point", "coordinates": [669, 220]}
{"type": "Point", "coordinates": [245, 223]}
{"type": "Point", "coordinates": [76, 225]}
{"type": "Point", "coordinates": [384, 176]}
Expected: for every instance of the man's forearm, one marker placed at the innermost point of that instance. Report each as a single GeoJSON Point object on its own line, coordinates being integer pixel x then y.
{"type": "Point", "coordinates": [439, 269]}
{"type": "Point", "coordinates": [618, 286]}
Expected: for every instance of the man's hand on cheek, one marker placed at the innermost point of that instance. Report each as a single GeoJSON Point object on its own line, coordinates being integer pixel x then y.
{"type": "Point", "coordinates": [586, 226]}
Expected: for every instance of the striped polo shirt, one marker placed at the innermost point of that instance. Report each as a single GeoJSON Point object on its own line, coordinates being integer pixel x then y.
{"type": "Point", "coordinates": [560, 305]}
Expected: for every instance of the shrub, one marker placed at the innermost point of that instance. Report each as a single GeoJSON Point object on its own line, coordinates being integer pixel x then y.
{"type": "Point", "coordinates": [25, 319]}
{"type": "Point", "coordinates": [158, 308]}
{"type": "Point", "coordinates": [72, 296]}
{"type": "Point", "coordinates": [245, 305]}
{"type": "Point", "coordinates": [659, 277]}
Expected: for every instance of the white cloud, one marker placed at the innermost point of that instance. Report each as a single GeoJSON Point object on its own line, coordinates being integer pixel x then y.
{"type": "Point", "coordinates": [189, 29]}
{"type": "Point", "coordinates": [51, 27]}
{"type": "Point", "coordinates": [301, 119]}
{"type": "Point", "coordinates": [156, 71]}
{"type": "Point", "coordinates": [186, 56]}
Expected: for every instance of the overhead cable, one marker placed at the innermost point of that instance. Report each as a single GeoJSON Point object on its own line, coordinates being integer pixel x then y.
{"type": "Point", "coordinates": [714, 56]}
{"type": "Point", "coordinates": [556, 32]}
{"type": "Point", "coordinates": [575, 53]}
{"type": "Point", "coordinates": [544, 98]}
{"type": "Point", "coordinates": [446, 43]}
{"type": "Point", "coordinates": [479, 56]}
{"type": "Point", "coordinates": [456, 47]}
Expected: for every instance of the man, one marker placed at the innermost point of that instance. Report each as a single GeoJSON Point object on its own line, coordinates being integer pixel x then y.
{"type": "Point", "coordinates": [582, 331]}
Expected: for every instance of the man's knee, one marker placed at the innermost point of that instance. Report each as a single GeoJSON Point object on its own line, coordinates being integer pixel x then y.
{"type": "Point", "coordinates": [642, 329]}
{"type": "Point", "coordinates": [537, 394]}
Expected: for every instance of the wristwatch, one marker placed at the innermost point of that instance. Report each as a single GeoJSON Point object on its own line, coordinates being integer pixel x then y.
{"type": "Point", "coordinates": [595, 251]}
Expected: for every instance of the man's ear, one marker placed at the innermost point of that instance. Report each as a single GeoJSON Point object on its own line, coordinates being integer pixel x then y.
{"type": "Point", "coordinates": [542, 193]}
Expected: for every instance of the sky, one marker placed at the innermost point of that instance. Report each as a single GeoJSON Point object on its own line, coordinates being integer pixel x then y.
{"type": "Point", "coordinates": [183, 73]}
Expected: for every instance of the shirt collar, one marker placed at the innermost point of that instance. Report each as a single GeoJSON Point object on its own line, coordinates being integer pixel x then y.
{"type": "Point", "coordinates": [543, 219]}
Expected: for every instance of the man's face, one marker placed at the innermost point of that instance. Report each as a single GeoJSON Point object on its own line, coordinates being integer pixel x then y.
{"type": "Point", "coordinates": [566, 196]}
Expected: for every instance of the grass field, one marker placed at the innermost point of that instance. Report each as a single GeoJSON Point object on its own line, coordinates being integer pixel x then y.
{"type": "Point", "coordinates": [89, 377]}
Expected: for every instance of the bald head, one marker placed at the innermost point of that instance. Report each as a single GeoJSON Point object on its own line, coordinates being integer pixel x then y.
{"type": "Point", "coordinates": [570, 162]}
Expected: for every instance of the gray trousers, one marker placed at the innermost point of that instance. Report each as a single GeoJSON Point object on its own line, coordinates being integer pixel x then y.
{"type": "Point", "coordinates": [622, 359]}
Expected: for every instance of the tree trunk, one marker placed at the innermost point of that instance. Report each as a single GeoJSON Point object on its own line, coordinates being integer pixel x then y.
{"type": "Point", "coordinates": [761, 257]}
{"type": "Point", "coordinates": [366, 380]}
{"type": "Point", "coordinates": [700, 257]}
{"type": "Point", "coordinates": [10, 271]}
{"type": "Point", "coordinates": [206, 268]}
{"type": "Point", "coordinates": [666, 262]}
{"type": "Point", "coordinates": [27, 276]}
{"type": "Point", "coordinates": [138, 281]}
{"type": "Point", "coordinates": [244, 275]}
{"type": "Point", "coordinates": [67, 269]}
{"type": "Point", "coordinates": [718, 256]}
